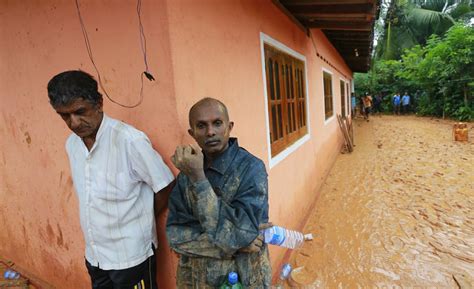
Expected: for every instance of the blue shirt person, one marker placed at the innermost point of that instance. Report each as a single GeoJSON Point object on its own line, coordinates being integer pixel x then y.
{"type": "Point", "coordinates": [396, 103]}
{"type": "Point", "coordinates": [218, 206]}
{"type": "Point", "coordinates": [405, 102]}
{"type": "Point", "coordinates": [353, 103]}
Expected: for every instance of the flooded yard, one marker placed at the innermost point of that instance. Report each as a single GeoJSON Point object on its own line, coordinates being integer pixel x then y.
{"type": "Point", "coordinates": [398, 212]}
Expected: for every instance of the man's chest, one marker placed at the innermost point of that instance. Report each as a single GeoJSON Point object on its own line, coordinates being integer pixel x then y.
{"type": "Point", "coordinates": [227, 186]}
{"type": "Point", "coordinates": [103, 172]}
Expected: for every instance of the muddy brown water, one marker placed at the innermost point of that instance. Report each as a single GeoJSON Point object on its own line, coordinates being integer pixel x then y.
{"type": "Point", "coordinates": [396, 213]}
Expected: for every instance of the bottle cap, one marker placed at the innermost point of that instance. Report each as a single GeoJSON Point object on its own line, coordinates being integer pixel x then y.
{"type": "Point", "coordinates": [6, 274]}
{"type": "Point", "coordinates": [10, 274]}
{"type": "Point", "coordinates": [308, 237]}
{"type": "Point", "coordinates": [233, 278]}
{"type": "Point", "coordinates": [15, 275]}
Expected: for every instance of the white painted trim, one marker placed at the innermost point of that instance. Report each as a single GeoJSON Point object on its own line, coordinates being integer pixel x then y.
{"type": "Point", "coordinates": [326, 121]}
{"type": "Point", "coordinates": [344, 87]}
{"type": "Point", "coordinates": [273, 161]}
{"type": "Point", "coordinates": [349, 105]}
{"type": "Point", "coordinates": [327, 70]}
{"type": "Point", "coordinates": [286, 152]}
{"type": "Point", "coordinates": [346, 83]}
{"type": "Point", "coordinates": [275, 43]}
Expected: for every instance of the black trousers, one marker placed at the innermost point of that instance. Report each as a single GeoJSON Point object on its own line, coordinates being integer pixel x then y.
{"type": "Point", "coordinates": [405, 108]}
{"type": "Point", "coordinates": [142, 276]}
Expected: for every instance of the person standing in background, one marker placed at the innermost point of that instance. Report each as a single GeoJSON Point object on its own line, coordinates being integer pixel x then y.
{"type": "Point", "coordinates": [367, 103]}
{"type": "Point", "coordinates": [377, 104]}
{"type": "Point", "coordinates": [353, 104]}
{"type": "Point", "coordinates": [405, 103]}
{"type": "Point", "coordinates": [396, 103]}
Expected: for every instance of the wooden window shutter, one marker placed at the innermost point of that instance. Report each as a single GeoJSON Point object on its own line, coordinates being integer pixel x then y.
{"type": "Point", "coordinates": [328, 101]}
{"type": "Point", "coordinates": [286, 98]}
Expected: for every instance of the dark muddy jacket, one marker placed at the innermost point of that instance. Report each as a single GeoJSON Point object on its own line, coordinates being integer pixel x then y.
{"type": "Point", "coordinates": [209, 221]}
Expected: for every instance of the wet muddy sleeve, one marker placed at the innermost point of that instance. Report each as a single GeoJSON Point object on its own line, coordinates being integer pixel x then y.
{"type": "Point", "coordinates": [184, 232]}
{"type": "Point", "coordinates": [234, 225]}
{"type": "Point", "coordinates": [202, 246]}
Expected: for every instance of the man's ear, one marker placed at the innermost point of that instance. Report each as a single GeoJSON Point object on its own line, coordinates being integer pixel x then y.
{"type": "Point", "coordinates": [231, 125]}
{"type": "Point", "coordinates": [100, 104]}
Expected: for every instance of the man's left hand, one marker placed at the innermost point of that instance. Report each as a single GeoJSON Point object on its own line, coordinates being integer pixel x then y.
{"type": "Point", "coordinates": [189, 160]}
{"type": "Point", "coordinates": [254, 247]}
{"type": "Point", "coordinates": [256, 244]}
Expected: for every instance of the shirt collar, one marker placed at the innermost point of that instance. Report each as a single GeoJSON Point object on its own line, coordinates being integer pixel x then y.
{"type": "Point", "coordinates": [223, 161]}
{"type": "Point", "coordinates": [103, 126]}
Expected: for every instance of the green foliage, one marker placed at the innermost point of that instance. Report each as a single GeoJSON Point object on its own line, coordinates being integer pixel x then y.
{"type": "Point", "coordinates": [426, 106]}
{"type": "Point", "coordinates": [464, 113]}
{"type": "Point", "coordinates": [412, 22]}
{"type": "Point", "coordinates": [439, 75]}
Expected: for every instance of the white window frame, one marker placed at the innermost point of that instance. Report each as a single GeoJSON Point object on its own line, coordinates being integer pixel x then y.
{"type": "Point", "coordinates": [326, 121]}
{"type": "Point", "coordinates": [273, 161]}
{"type": "Point", "coordinates": [345, 91]}
{"type": "Point", "coordinates": [349, 105]}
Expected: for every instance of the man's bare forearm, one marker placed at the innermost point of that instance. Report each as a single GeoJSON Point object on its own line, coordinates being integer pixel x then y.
{"type": "Point", "coordinates": [161, 199]}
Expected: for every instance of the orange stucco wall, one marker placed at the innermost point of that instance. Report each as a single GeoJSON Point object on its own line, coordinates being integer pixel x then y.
{"type": "Point", "coordinates": [216, 52]}
{"type": "Point", "coordinates": [195, 49]}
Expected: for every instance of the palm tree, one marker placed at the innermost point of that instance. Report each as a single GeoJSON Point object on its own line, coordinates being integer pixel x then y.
{"type": "Point", "coordinates": [412, 22]}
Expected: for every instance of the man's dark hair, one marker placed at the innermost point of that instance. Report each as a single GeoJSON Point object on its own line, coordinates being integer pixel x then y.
{"type": "Point", "coordinates": [68, 86]}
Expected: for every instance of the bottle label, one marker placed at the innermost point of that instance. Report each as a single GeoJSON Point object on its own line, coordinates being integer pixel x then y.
{"type": "Point", "coordinates": [278, 236]}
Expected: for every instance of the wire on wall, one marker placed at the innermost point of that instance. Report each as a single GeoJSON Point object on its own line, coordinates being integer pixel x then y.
{"type": "Point", "coordinates": [321, 57]}
{"type": "Point", "coordinates": [146, 73]}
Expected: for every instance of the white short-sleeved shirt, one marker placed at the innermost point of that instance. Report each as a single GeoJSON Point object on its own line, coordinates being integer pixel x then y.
{"type": "Point", "coordinates": [115, 183]}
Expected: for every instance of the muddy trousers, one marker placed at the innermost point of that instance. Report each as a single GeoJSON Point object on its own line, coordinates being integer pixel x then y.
{"type": "Point", "coordinates": [193, 273]}
{"type": "Point", "coordinates": [195, 284]}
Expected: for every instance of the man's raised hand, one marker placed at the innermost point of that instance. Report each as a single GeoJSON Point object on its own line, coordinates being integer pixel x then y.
{"type": "Point", "coordinates": [190, 161]}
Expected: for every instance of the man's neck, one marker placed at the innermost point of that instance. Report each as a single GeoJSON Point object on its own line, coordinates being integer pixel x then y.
{"type": "Point", "coordinates": [90, 140]}
{"type": "Point", "coordinates": [210, 158]}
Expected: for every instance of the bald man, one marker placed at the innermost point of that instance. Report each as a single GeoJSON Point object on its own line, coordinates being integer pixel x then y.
{"type": "Point", "coordinates": [218, 206]}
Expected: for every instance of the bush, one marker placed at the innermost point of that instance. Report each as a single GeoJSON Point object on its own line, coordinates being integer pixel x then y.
{"type": "Point", "coordinates": [464, 113]}
{"type": "Point", "coordinates": [437, 76]}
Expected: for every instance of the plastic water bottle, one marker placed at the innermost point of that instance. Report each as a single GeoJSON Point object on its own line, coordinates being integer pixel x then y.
{"type": "Point", "coordinates": [285, 238]}
{"type": "Point", "coordinates": [10, 274]}
{"type": "Point", "coordinates": [284, 275]}
{"type": "Point", "coordinates": [232, 282]}
{"type": "Point", "coordinates": [285, 271]}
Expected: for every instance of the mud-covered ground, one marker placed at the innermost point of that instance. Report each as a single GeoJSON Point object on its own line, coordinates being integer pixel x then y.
{"type": "Point", "coordinates": [398, 212]}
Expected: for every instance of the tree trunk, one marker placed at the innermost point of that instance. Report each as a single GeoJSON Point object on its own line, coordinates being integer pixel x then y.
{"type": "Point", "coordinates": [444, 106]}
{"type": "Point", "coordinates": [465, 95]}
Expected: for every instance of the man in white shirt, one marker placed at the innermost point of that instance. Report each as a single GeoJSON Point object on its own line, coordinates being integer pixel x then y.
{"type": "Point", "coordinates": [116, 174]}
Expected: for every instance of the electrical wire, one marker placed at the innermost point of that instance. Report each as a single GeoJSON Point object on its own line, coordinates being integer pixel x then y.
{"type": "Point", "coordinates": [142, 45]}
{"type": "Point", "coordinates": [142, 34]}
